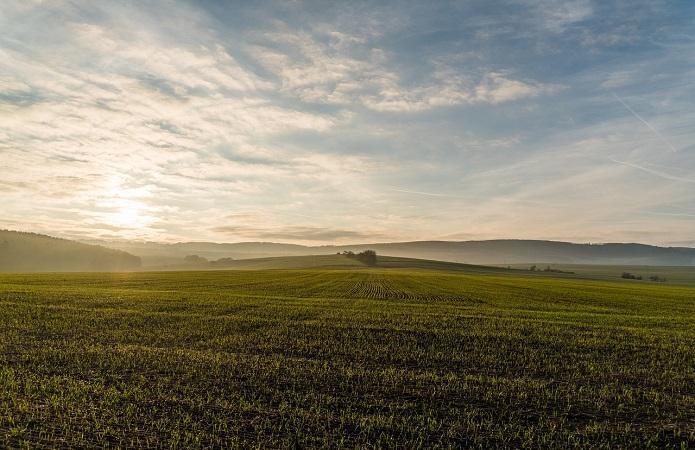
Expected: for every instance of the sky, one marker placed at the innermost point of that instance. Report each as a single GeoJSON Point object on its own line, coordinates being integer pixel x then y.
{"type": "Point", "coordinates": [343, 122]}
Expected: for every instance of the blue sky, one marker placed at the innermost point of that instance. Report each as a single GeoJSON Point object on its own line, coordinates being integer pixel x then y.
{"type": "Point", "coordinates": [318, 122]}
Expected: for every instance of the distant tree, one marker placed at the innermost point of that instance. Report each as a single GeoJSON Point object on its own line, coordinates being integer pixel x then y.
{"type": "Point", "coordinates": [222, 262]}
{"type": "Point", "coordinates": [195, 259]}
{"type": "Point", "coordinates": [368, 257]}
{"type": "Point", "coordinates": [657, 278]}
{"type": "Point", "coordinates": [629, 276]}
{"type": "Point", "coordinates": [550, 269]}
{"type": "Point", "coordinates": [532, 268]}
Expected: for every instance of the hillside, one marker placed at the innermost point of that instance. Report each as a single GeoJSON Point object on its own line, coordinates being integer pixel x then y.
{"type": "Point", "coordinates": [334, 261]}
{"type": "Point", "coordinates": [511, 251]}
{"type": "Point", "coordinates": [502, 251]}
{"type": "Point", "coordinates": [30, 252]}
{"type": "Point", "coordinates": [157, 254]}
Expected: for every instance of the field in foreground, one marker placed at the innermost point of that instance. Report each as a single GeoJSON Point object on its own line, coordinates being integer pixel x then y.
{"type": "Point", "coordinates": [344, 358]}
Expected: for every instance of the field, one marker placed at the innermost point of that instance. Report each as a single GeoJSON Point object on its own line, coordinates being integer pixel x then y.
{"type": "Point", "coordinates": [346, 357]}
{"type": "Point", "coordinates": [683, 275]}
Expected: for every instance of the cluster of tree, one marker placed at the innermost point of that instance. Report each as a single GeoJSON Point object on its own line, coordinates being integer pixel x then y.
{"type": "Point", "coordinates": [629, 276]}
{"type": "Point", "coordinates": [534, 268]}
{"type": "Point", "coordinates": [367, 257]}
{"type": "Point", "coordinates": [200, 260]}
{"type": "Point", "coordinates": [657, 278]}
{"type": "Point", "coordinates": [195, 259]}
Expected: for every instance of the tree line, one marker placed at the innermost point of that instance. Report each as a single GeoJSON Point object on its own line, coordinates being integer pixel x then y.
{"type": "Point", "coordinates": [367, 257]}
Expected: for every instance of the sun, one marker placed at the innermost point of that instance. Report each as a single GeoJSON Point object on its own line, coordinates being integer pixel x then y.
{"type": "Point", "coordinates": [128, 214]}
{"type": "Point", "coordinates": [127, 217]}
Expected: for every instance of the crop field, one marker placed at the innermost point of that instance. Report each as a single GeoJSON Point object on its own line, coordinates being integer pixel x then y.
{"type": "Point", "coordinates": [683, 275]}
{"type": "Point", "coordinates": [352, 357]}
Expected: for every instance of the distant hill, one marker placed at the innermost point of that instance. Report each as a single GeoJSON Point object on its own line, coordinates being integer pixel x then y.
{"type": "Point", "coordinates": [30, 252]}
{"type": "Point", "coordinates": [511, 251]}
{"type": "Point", "coordinates": [334, 261]}
{"type": "Point", "coordinates": [501, 251]}
{"type": "Point", "coordinates": [156, 253]}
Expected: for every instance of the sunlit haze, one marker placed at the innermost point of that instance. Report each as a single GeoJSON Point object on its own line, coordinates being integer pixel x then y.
{"type": "Point", "coordinates": [342, 122]}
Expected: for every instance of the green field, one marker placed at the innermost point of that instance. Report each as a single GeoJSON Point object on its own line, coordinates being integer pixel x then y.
{"type": "Point", "coordinates": [344, 357]}
{"type": "Point", "coordinates": [682, 275]}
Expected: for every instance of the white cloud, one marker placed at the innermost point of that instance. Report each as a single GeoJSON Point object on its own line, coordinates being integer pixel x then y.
{"type": "Point", "coordinates": [135, 120]}
{"type": "Point", "coordinates": [557, 15]}
{"type": "Point", "coordinates": [141, 107]}
{"type": "Point", "coordinates": [618, 79]}
{"type": "Point", "coordinates": [321, 73]}
{"type": "Point", "coordinates": [10, 86]}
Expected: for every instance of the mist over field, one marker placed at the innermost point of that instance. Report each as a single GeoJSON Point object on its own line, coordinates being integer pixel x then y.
{"type": "Point", "coordinates": [34, 252]}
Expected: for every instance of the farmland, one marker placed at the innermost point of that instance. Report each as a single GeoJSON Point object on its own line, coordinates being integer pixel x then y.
{"type": "Point", "coordinates": [346, 356]}
{"type": "Point", "coordinates": [684, 275]}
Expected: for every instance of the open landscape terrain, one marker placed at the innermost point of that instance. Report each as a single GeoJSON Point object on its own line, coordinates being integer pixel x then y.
{"type": "Point", "coordinates": [679, 275]}
{"type": "Point", "coordinates": [345, 356]}
{"type": "Point", "coordinates": [374, 224]}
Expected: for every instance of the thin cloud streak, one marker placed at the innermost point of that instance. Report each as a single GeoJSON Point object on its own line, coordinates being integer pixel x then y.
{"type": "Point", "coordinates": [670, 214]}
{"type": "Point", "coordinates": [654, 172]}
{"type": "Point", "coordinates": [638, 117]}
{"type": "Point", "coordinates": [430, 194]}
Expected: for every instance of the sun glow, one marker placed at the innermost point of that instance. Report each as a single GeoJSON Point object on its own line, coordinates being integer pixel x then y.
{"type": "Point", "coordinates": [126, 209]}
{"type": "Point", "coordinates": [128, 218]}
{"type": "Point", "coordinates": [129, 215]}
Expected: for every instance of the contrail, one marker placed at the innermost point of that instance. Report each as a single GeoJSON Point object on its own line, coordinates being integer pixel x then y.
{"type": "Point", "coordinates": [670, 214]}
{"type": "Point", "coordinates": [658, 173]}
{"type": "Point", "coordinates": [638, 117]}
{"type": "Point", "coordinates": [422, 193]}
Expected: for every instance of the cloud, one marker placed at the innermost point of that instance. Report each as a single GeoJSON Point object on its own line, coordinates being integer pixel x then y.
{"type": "Point", "coordinates": [294, 233]}
{"type": "Point", "coordinates": [559, 14]}
{"type": "Point", "coordinates": [658, 173]}
{"type": "Point", "coordinates": [267, 225]}
{"type": "Point", "coordinates": [688, 215]}
{"type": "Point", "coordinates": [618, 79]}
{"type": "Point", "coordinates": [141, 106]}
{"type": "Point", "coordinates": [317, 72]}
{"type": "Point", "coordinates": [160, 120]}
{"type": "Point", "coordinates": [493, 88]}
{"type": "Point", "coordinates": [429, 194]}
{"type": "Point", "coordinates": [647, 124]}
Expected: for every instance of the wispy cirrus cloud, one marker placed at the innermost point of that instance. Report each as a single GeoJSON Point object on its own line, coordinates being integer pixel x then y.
{"type": "Point", "coordinates": [329, 72]}
{"type": "Point", "coordinates": [295, 233]}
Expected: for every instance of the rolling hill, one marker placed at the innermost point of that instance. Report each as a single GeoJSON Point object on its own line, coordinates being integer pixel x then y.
{"type": "Point", "coordinates": [34, 252]}
{"type": "Point", "coordinates": [30, 252]}
{"type": "Point", "coordinates": [680, 275]}
{"type": "Point", "coordinates": [334, 261]}
{"type": "Point", "coordinates": [502, 251]}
